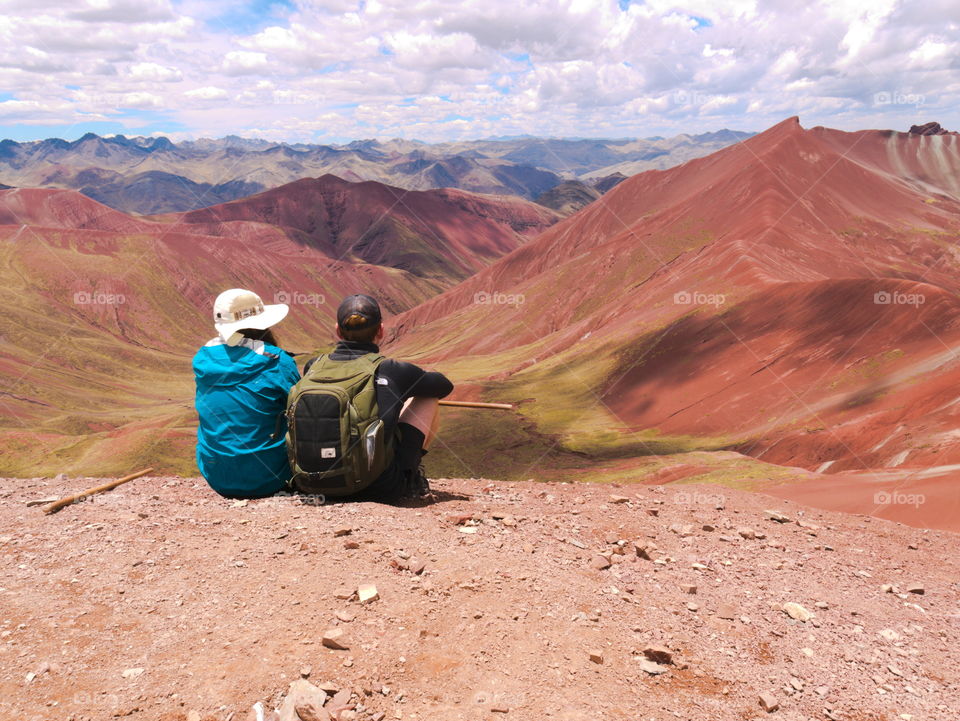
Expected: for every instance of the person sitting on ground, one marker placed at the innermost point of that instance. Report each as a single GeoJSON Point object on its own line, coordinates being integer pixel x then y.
{"type": "Point", "coordinates": [407, 398]}
{"type": "Point", "coordinates": [242, 378]}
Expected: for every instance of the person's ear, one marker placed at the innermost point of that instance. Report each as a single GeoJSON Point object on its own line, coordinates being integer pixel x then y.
{"type": "Point", "coordinates": [338, 332]}
{"type": "Point", "coordinates": [379, 336]}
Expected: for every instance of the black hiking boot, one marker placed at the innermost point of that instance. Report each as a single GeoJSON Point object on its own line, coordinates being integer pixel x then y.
{"type": "Point", "coordinates": [416, 484]}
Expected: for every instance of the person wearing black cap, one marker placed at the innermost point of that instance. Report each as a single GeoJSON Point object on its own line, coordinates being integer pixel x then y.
{"type": "Point", "coordinates": [407, 397]}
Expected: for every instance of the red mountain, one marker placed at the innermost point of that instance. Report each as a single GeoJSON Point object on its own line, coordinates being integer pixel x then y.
{"type": "Point", "coordinates": [793, 296]}
{"type": "Point", "coordinates": [104, 311]}
{"type": "Point", "coordinates": [434, 233]}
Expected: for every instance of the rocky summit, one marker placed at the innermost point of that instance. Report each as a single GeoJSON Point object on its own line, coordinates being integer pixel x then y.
{"type": "Point", "coordinates": [160, 600]}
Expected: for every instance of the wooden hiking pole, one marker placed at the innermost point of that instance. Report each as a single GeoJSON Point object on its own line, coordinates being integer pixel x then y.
{"type": "Point", "coordinates": [63, 502]}
{"type": "Point", "coordinates": [476, 404]}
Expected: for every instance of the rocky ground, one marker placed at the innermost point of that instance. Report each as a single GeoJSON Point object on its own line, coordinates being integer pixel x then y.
{"type": "Point", "coordinates": [162, 601]}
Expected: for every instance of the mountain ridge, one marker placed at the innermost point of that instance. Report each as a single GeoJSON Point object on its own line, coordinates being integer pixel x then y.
{"type": "Point", "coordinates": [105, 309]}
{"type": "Point", "coordinates": [122, 171]}
{"type": "Point", "coordinates": [808, 271]}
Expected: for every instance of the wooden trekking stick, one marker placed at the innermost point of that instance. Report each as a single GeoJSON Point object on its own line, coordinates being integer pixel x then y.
{"type": "Point", "coordinates": [473, 404]}
{"type": "Point", "coordinates": [63, 502]}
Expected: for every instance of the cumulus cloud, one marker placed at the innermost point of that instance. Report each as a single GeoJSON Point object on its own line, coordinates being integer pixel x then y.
{"type": "Point", "coordinates": [154, 73]}
{"type": "Point", "coordinates": [438, 69]}
{"type": "Point", "coordinates": [141, 100]}
{"type": "Point", "coordinates": [207, 93]}
{"type": "Point", "coordinates": [244, 62]}
{"type": "Point", "coordinates": [122, 11]}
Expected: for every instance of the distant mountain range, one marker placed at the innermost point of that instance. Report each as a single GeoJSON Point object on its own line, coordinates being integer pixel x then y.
{"type": "Point", "coordinates": [154, 175]}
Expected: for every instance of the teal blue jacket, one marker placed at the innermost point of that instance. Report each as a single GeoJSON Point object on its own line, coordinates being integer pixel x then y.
{"type": "Point", "coordinates": [241, 392]}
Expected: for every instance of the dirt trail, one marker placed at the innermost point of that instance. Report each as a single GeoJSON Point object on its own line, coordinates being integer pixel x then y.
{"type": "Point", "coordinates": [161, 601]}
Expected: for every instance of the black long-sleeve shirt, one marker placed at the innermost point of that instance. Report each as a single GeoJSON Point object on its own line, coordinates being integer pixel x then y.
{"type": "Point", "coordinates": [396, 381]}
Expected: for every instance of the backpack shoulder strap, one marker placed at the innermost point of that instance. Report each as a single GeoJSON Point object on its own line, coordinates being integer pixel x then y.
{"type": "Point", "coordinates": [324, 364]}
{"type": "Point", "coordinates": [374, 359]}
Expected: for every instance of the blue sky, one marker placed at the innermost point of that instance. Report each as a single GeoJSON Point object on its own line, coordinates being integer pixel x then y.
{"type": "Point", "coordinates": [249, 18]}
{"type": "Point", "coordinates": [445, 70]}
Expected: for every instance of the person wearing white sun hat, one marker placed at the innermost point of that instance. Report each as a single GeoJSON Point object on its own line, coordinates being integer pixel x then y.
{"type": "Point", "coordinates": [242, 377]}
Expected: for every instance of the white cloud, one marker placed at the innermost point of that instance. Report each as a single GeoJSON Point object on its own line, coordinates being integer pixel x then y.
{"type": "Point", "coordinates": [425, 51]}
{"type": "Point", "coordinates": [207, 93]}
{"type": "Point", "coordinates": [140, 100]}
{"type": "Point", "coordinates": [244, 62]}
{"type": "Point", "coordinates": [445, 68]}
{"type": "Point", "coordinates": [154, 73]}
{"type": "Point", "coordinates": [122, 11]}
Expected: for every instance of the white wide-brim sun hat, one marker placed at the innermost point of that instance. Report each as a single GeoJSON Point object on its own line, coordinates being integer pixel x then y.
{"type": "Point", "coordinates": [237, 308]}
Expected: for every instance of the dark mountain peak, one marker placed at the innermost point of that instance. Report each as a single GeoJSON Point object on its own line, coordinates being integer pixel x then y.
{"type": "Point", "coordinates": [54, 144]}
{"type": "Point", "coordinates": [929, 129]}
{"type": "Point", "coordinates": [161, 143]}
{"type": "Point", "coordinates": [609, 182]}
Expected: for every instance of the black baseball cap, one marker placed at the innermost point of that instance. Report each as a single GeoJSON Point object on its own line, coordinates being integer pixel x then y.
{"type": "Point", "coordinates": [357, 312]}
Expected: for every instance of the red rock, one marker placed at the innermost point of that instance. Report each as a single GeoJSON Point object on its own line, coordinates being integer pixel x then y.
{"type": "Point", "coordinates": [727, 611]}
{"type": "Point", "coordinates": [309, 711]}
{"type": "Point", "coordinates": [340, 699]}
{"type": "Point", "coordinates": [931, 128]}
{"type": "Point", "coordinates": [303, 702]}
{"type": "Point", "coordinates": [768, 702]}
{"type": "Point", "coordinates": [599, 562]}
{"type": "Point", "coordinates": [797, 612]}
{"type": "Point", "coordinates": [335, 638]}
{"type": "Point", "coordinates": [651, 667]}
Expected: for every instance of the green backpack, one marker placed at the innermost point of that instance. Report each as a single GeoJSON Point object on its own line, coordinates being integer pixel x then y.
{"type": "Point", "coordinates": [335, 436]}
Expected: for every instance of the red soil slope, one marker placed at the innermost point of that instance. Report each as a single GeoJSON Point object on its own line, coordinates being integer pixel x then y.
{"type": "Point", "coordinates": [62, 209]}
{"type": "Point", "coordinates": [434, 233]}
{"type": "Point", "coordinates": [795, 293]}
{"type": "Point", "coordinates": [104, 311]}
